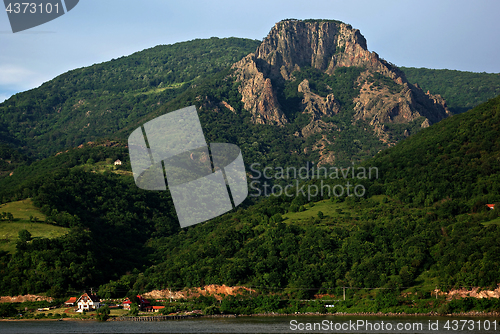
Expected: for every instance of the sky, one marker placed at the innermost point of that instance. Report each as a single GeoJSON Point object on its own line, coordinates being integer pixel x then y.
{"type": "Point", "coordinates": [451, 34]}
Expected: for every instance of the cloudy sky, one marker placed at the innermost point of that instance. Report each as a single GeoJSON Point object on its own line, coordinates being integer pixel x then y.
{"type": "Point", "coordinates": [452, 34]}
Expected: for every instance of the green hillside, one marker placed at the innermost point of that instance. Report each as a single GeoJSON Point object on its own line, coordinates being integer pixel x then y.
{"type": "Point", "coordinates": [393, 237]}
{"type": "Point", "coordinates": [461, 90]}
{"type": "Point", "coordinates": [437, 183]}
{"type": "Point", "coordinates": [25, 216]}
{"type": "Point", "coordinates": [23, 210]}
{"type": "Point", "coordinates": [456, 160]}
{"type": "Point", "coordinates": [97, 101]}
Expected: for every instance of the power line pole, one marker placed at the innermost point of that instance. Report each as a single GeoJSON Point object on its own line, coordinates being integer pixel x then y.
{"type": "Point", "coordinates": [344, 292]}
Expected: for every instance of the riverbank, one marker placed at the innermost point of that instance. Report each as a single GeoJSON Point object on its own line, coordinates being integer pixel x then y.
{"type": "Point", "coordinates": [340, 314]}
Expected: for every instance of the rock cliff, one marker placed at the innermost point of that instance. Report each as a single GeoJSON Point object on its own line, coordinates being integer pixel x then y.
{"type": "Point", "coordinates": [385, 95]}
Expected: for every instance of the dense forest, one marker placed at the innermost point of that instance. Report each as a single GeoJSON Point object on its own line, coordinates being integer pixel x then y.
{"type": "Point", "coordinates": [96, 101]}
{"type": "Point", "coordinates": [423, 222]}
{"type": "Point", "coordinates": [461, 90]}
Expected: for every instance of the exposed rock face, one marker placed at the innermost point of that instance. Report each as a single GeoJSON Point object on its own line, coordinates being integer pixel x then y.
{"type": "Point", "coordinates": [474, 293]}
{"type": "Point", "coordinates": [257, 93]}
{"type": "Point", "coordinates": [385, 94]}
{"type": "Point", "coordinates": [379, 105]}
{"type": "Point", "coordinates": [25, 298]}
{"type": "Point", "coordinates": [327, 45]}
{"type": "Point", "coordinates": [292, 44]}
{"type": "Point", "coordinates": [316, 105]}
{"type": "Point", "coordinates": [217, 291]}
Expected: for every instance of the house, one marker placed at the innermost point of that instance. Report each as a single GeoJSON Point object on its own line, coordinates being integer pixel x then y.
{"type": "Point", "coordinates": [88, 302]}
{"type": "Point", "coordinates": [118, 162]}
{"type": "Point", "coordinates": [70, 302]}
{"type": "Point", "coordinates": [153, 308]}
{"type": "Point", "coordinates": [126, 304]}
{"type": "Point", "coordinates": [491, 206]}
{"type": "Point", "coordinates": [141, 302]}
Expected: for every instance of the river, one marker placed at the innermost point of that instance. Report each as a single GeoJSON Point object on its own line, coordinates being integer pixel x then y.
{"type": "Point", "coordinates": [289, 324]}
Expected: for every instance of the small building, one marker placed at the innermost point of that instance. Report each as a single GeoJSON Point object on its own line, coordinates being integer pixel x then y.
{"type": "Point", "coordinates": [126, 304]}
{"type": "Point", "coordinates": [153, 308]}
{"type": "Point", "coordinates": [491, 206]}
{"type": "Point", "coordinates": [70, 302]}
{"type": "Point", "coordinates": [118, 162]}
{"type": "Point", "coordinates": [88, 302]}
{"type": "Point", "coordinates": [141, 303]}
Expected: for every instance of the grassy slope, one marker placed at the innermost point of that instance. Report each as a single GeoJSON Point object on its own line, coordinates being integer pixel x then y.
{"type": "Point", "coordinates": [331, 211]}
{"type": "Point", "coordinates": [22, 210]}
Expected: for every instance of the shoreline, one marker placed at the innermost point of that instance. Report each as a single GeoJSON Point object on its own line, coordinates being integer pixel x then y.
{"type": "Point", "coordinates": [358, 314]}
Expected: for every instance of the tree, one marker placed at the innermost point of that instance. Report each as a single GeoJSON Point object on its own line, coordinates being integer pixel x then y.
{"type": "Point", "coordinates": [320, 215]}
{"type": "Point", "coordinates": [24, 236]}
{"type": "Point", "coordinates": [134, 309]}
{"type": "Point", "coordinates": [7, 310]}
{"type": "Point", "coordinates": [103, 313]}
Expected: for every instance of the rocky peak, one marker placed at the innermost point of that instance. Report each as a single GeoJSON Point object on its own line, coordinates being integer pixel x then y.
{"type": "Point", "coordinates": [292, 44]}
{"type": "Point", "coordinates": [326, 45]}
{"type": "Point", "coordinates": [321, 44]}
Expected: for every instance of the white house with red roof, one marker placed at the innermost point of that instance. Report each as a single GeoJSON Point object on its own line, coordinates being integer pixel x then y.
{"type": "Point", "coordinates": [126, 304]}
{"type": "Point", "coordinates": [88, 302]}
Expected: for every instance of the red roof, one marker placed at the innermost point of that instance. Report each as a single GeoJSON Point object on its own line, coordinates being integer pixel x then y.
{"type": "Point", "coordinates": [72, 300]}
{"type": "Point", "coordinates": [142, 300]}
{"type": "Point", "coordinates": [94, 298]}
{"type": "Point", "coordinates": [491, 206]}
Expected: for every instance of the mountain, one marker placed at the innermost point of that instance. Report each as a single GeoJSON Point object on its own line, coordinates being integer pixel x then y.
{"type": "Point", "coordinates": [377, 92]}
{"type": "Point", "coordinates": [315, 84]}
{"type": "Point", "coordinates": [311, 92]}
{"type": "Point", "coordinates": [334, 101]}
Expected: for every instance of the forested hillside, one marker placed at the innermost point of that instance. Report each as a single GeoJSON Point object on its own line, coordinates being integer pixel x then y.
{"type": "Point", "coordinates": [461, 90]}
{"type": "Point", "coordinates": [455, 161]}
{"type": "Point", "coordinates": [432, 228]}
{"type": "Point", "coordinates": [96, 101]}
{"type": "Point", "coordinates": [110, 222]}
{"type": "Point", "coordinates": [421, 223]}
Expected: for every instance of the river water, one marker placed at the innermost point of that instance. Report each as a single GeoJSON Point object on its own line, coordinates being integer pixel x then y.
{"type": "Point", "coordinates": [289, 324]}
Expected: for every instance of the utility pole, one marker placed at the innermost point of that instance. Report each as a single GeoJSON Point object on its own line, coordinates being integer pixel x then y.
{"type": "Point", "coordinates": [344, 292]}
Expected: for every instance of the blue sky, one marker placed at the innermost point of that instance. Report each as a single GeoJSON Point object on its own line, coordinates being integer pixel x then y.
{"type": "Point", "coordinates": [453, 34]}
